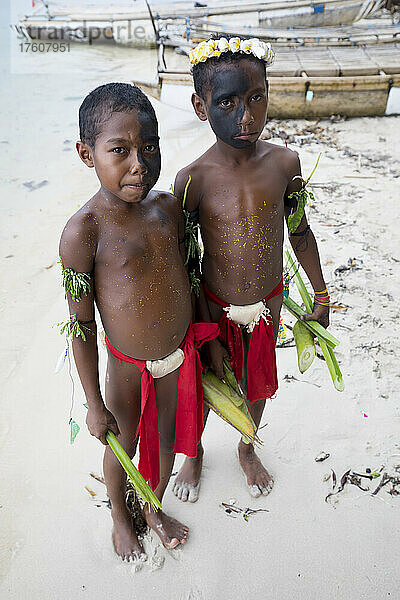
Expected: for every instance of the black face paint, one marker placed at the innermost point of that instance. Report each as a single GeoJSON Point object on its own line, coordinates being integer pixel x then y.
{"type": "Point", "coordinates": [232, 84]}
{"type": "Point", "coordinates": [151, 161]}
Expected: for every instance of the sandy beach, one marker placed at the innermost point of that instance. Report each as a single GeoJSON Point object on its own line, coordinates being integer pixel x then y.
{"type": "Point", "coordinates": [55, 538]}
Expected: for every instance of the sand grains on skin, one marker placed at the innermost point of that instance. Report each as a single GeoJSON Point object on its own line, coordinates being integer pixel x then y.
{"type": "Point", "coordinates": [257, 478]}
{"type": "Point", "coordinates": [170, 531]}
{"type": "Point", "coordinates": [187, 482]}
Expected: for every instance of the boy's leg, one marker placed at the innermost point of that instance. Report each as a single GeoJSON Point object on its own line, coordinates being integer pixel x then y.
{"type": "Point", "coordinates": [123, 400]}
{"type": "Point", "coordinates": [257, 476]}
{"type": "Point", "coordinates": [187, 483]}
{"type": "Point", "coordinates": [170, 531]}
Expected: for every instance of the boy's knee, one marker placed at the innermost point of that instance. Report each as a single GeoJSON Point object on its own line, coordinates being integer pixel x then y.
{"type": "Point", "coordinates": [167, 444]}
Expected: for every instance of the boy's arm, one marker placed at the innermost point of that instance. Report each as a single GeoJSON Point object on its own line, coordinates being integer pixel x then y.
{"type": "Point", "coordinates": [77, 250]}
{"type": "Point", "coordinates": [216, 352]}
{"type": "Point", "coordinates": [305, 246]}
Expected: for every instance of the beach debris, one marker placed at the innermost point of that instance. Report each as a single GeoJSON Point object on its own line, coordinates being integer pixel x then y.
{"type": "Point", "coordinates": [235, 511]}
{"type": "Point", "coordinates": [353, 264]}
{"type": "Point", "coordinates": [351, 477]}
{"type": "Point", "coordinates": [385, 479]}
{"type": "Point", "coordinates": [290, 378]}
{"type": "Point", "coordinates": [90, 491]}
{"type": "Point", "coordinates": [326, 477]}
{"type": "Point", "coordinates": [322, 456]}
{"type": "Point", "coordinates": [32, 186]}
{"type": "Point", "coordinates": [97, 478]}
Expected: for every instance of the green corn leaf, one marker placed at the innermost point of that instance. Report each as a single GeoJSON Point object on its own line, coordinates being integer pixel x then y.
{"type": "Point", "coordinates": [74, 430]}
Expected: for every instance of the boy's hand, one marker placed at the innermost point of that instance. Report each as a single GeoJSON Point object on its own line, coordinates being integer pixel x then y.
{"type": "Point", "coordinates": [216, 352]}
{"type": "Point", "coordinates": [320, 314]}
{"type": "Point", "coordinates": [99, 420]}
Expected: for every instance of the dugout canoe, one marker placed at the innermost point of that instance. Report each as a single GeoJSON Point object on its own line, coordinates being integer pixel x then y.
{"type": "Point", "coordinates": [140, 25]}
{"type": "Point", "coordinates": [309, 83]}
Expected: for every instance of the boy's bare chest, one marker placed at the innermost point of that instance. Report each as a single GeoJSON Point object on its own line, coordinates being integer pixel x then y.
{"type": "Point", "coordinates": [133, 243]}
{"type": "Point", "coordinates": [243, 201]}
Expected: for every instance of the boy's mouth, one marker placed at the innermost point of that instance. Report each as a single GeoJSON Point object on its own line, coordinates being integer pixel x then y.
{"type": "Point", "coordinates": [245, 135]}
{"type": "Point", "coordinates": [135, 186]}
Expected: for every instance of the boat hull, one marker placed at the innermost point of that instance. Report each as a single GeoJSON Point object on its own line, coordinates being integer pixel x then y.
{"type": "Point", "coordinates": [311, 97]}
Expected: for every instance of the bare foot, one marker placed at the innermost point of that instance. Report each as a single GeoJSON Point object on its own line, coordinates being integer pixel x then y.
{"type": "Point", "coordinates": [169, 530]}
{"type": "Point", "coordinates": [187, 482]}
{"type": "Point", "coordinates": [257, 477]}
{"type": "Point", "coordinates": [124, 537]}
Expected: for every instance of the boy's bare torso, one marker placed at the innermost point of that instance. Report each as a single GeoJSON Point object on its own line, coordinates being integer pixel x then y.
{"type": "Point", "coordinates": [141, 286]}
{"type": "Point", "coordinates": [241, 212]}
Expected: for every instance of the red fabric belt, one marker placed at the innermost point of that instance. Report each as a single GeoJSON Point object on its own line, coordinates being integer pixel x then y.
{"type": "Point", "coordinates": [189, 402]}
{"type": "Point", "coordinates": [262, 378]}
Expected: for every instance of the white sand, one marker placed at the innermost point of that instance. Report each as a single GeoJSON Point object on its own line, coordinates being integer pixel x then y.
{"type": "Point", "coordinates": [56, 539]}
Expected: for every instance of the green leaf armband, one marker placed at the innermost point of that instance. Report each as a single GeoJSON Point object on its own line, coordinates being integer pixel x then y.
{"type": "Point", "coordinates": [295, 216]}
{"type": "Point", "coordinates": [74, 328]}
{"type": "Point", "coordinates": [191, 229]}
{"type": "Point", "coordinates": [301, 197]}
{"type": "Point", "coordinates": [77, 284]}
{"type": "Point", "coordinates": [194, 283]}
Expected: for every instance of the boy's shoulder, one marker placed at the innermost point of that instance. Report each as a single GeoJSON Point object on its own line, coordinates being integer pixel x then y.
{"type": "Point", "coordinates": [165, 200]}
{"type": "Point", "coordinates": [191, 178]}
{"type": "Point", "coordinates": [287, 157]}
{"type": "Point", "coordinates": [81, 231]}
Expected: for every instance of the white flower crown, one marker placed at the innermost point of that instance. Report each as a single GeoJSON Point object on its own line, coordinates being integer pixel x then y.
{"type": "Point", "coordinates": [214, 49]}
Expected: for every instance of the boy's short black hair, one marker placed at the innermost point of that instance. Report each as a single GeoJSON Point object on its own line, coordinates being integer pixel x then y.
{"type": "Point", "coordinates": [203, 70]}
{"type": "Point", "coordinates": [107, 99]}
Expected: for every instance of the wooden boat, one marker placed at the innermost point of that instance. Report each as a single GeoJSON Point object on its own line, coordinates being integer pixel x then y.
{"type": "Point", "coordinates": [308, 82]}
{"type": "Point", "coordinates": [135, 25]}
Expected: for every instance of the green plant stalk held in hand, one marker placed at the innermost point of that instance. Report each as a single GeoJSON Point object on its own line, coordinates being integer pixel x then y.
{"type": "Point", "coordinates": [137, 480]}
{"type": "Point", "coordinates": [305, 346]}
{"type": "Point", "coordinates": [327, 349]}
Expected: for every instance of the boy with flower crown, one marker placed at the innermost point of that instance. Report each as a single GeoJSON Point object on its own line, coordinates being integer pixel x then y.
{"type": "Point", "coordinates": [241, 190]}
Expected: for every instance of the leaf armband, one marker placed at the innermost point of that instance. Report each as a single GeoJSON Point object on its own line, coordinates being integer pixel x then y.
{"type": "Point", "coordinates": [194, 283]}
{"type": "Point", "coordinates": [74, 328]}
{"type": "Point", "coordinates": [191, 229]}
{"type": "Point", "coordinates": [301, 198]}
{"type": "Point", "coordinates": [77, 284]}
{"type": "Point", "coordinates": [295, 216]}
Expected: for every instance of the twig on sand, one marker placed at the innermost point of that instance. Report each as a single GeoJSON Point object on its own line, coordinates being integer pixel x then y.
{"type": "Point", "coordinates": [98, 478]}
{"type": "Point", "coordinates": [235, 511]}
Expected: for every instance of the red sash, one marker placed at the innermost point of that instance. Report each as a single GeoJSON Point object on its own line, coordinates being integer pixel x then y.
{"type": "Point", "coordinates": [189, 402]}
{"type": "Point", "coordinates": [262, 378]}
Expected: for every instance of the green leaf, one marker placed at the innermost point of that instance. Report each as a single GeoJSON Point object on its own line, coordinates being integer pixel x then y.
{"type": "Point", "coordinates": [74, 430]}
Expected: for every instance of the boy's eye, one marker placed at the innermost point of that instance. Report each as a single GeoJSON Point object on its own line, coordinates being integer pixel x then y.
{"type": "Point", "coordinates": [118, 150]}
{"type": "Point", "coordinates": [150, 148]}
{"type": "Point", "coordinates": [257, 97]}
{"type": "Point", "coordinates": [226, 103]}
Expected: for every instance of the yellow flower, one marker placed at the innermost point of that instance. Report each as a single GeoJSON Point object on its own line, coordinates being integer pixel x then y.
{"type": "Point", "coordinates": [246, 46]}
{"type": "Point", "coordinates": [205, 52]}
{"type": "Point", "coordinates": [258, 49]}
{"type": "Point", "coordinates": [234, 44]}
{"type": "Point", "coordinates": [193, 56]}
{"type": "Point", "coordinates": [223, 45]}
{"type": "Point", "coordinates": [213, 44]}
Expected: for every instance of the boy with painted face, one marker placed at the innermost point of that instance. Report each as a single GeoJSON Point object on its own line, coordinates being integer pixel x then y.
{"type": "Point", "coordinates": [128, 240]}
{"type": "Point", "coordinates": [239, 194]}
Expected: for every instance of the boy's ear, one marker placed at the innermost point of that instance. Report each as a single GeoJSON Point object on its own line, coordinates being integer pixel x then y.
{"type": "Point", "coordinates": [199, 107]}
{"type": "Point", "coordinates": [85, 153]}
